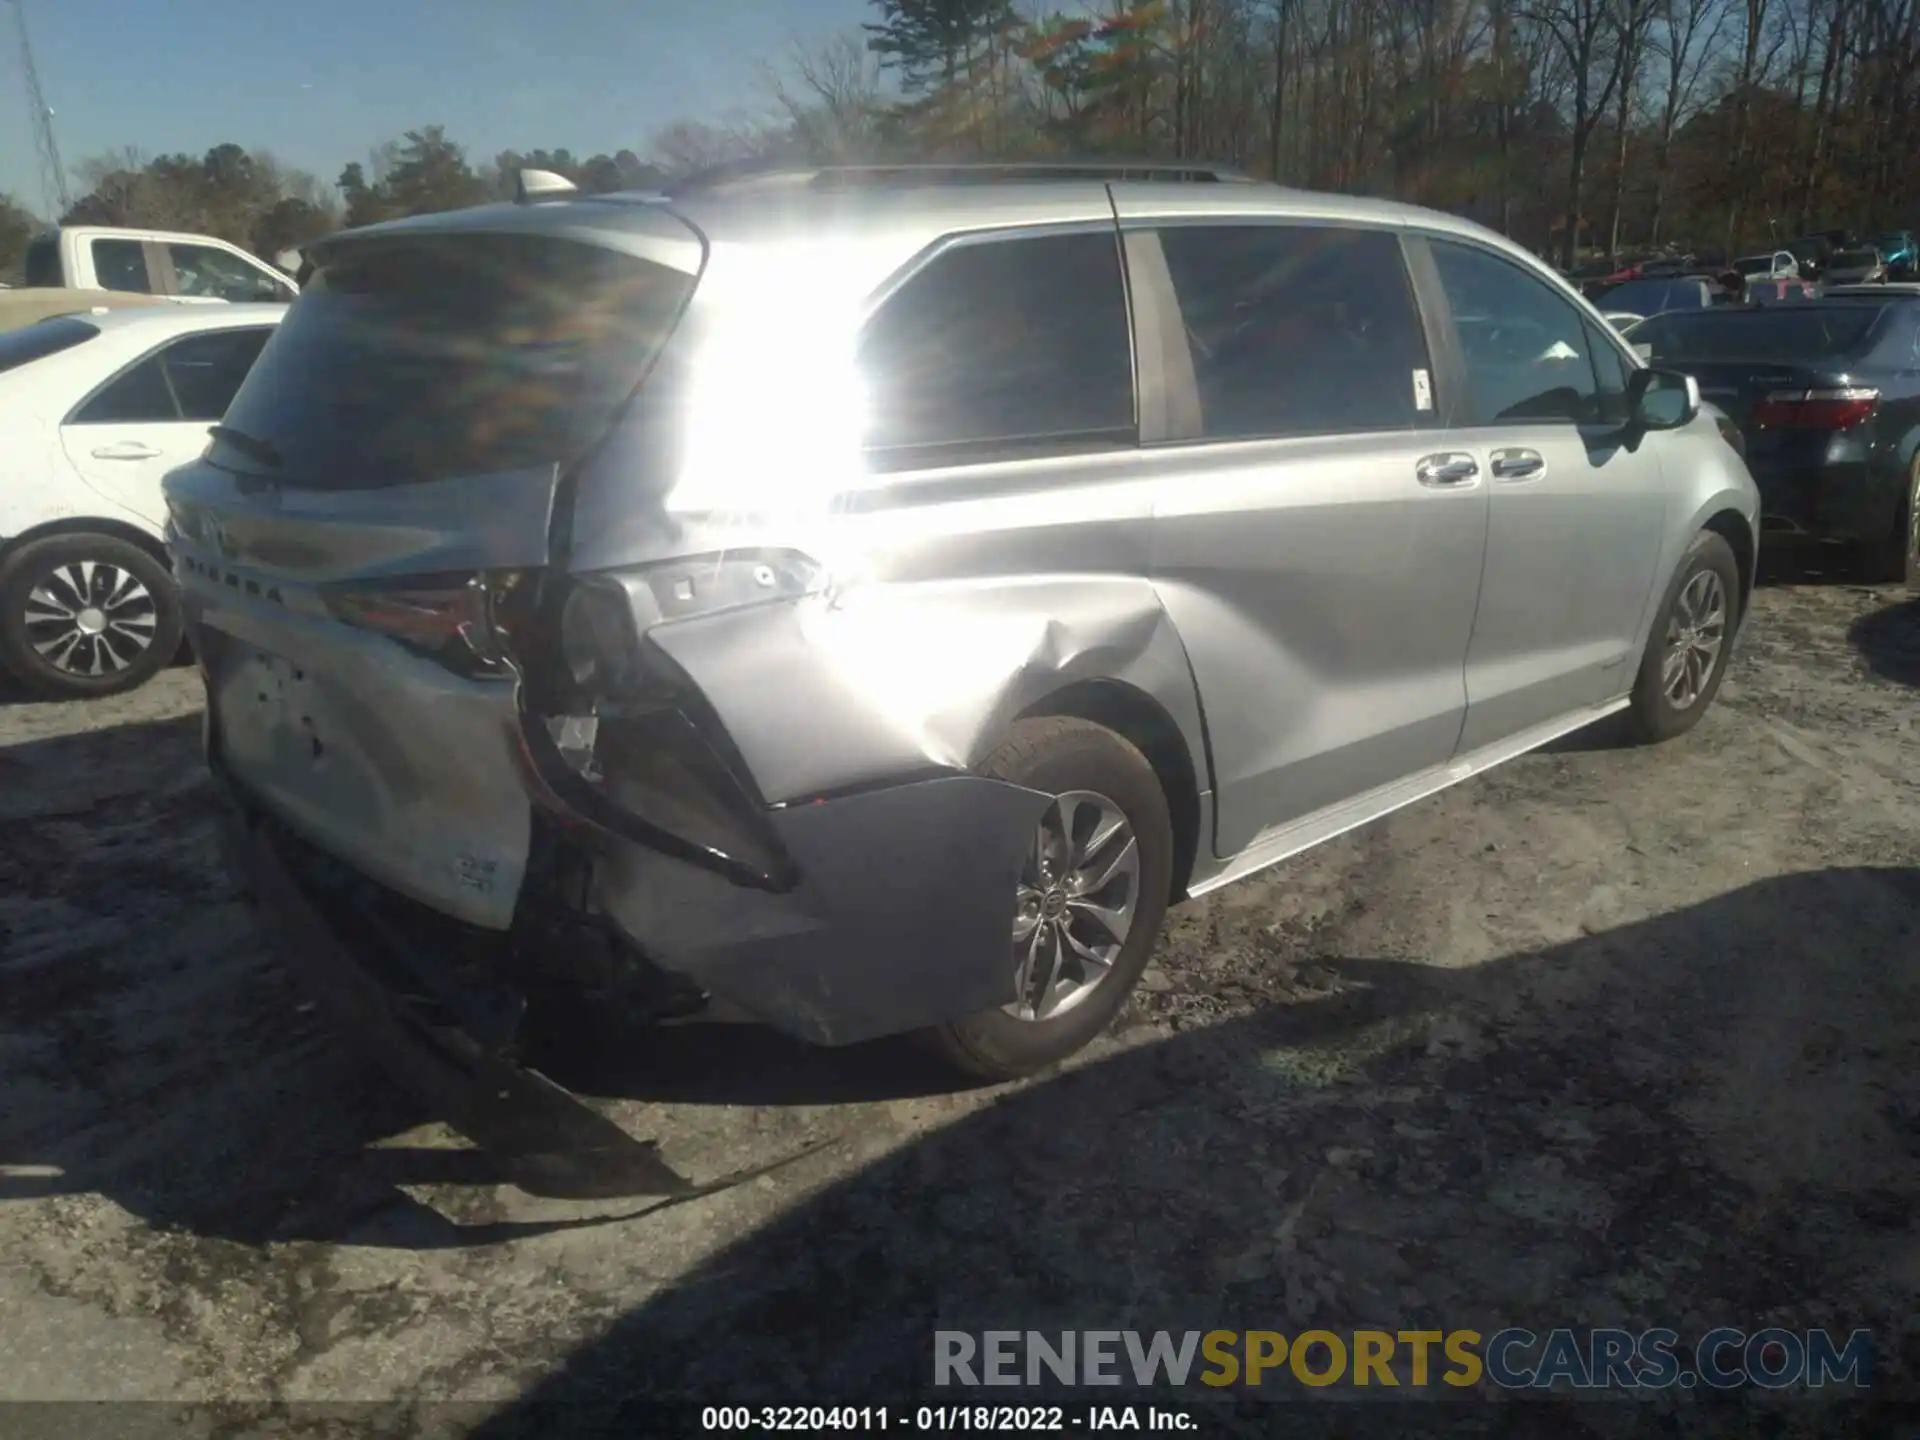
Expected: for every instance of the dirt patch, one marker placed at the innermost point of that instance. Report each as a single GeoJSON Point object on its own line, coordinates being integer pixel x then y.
{"type": "Point", "coordinates": [1607, 1037]}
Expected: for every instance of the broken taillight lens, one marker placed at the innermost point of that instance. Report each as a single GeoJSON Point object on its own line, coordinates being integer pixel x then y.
{"type": "Point", "coordinates": [1815, 409]}
{"type": "Point", "coordinates": [444, 618]}
{"type": "Point", "coordinates": [622, 740]}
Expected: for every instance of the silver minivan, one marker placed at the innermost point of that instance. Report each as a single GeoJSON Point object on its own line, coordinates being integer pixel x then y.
{"type": "Point", "coordinates": [861, 601]}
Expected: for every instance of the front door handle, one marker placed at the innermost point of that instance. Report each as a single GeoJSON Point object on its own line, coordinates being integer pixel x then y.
{"type": "Point", "coordinates": [1447, 471]}
{"type": "Point", "coordinates": [1518, 465]}
{"type": "Point", "coordinates": [126, 450]}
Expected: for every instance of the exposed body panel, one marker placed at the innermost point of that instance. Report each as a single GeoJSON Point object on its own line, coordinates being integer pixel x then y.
{"type": "Point", "coordinates": [896, 924]}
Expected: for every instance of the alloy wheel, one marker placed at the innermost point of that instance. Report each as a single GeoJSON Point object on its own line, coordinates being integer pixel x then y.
{"type": "Point", "coordinates": [1696, 631]}
{"type": "Point", "coordinates": [1075, 905]}
{"type": "Point", "coordinates": [90, 618]}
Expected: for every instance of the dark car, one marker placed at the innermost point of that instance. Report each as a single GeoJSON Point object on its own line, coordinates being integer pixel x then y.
{"type": "Point", "coordinates": [1651, 297]}
{"type": "Point", "coordinates": [1827, 397]}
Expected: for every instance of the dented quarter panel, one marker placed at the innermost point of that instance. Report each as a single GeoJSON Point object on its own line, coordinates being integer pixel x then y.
{"type": "Point", "coordinates": [954, 608]}
{"type": "Point", "coordinates": [892, 680]}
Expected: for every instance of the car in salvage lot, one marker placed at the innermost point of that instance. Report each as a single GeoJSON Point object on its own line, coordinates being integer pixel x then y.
{"type": "Point", "coordinates": [1825, 396]}
{"type": "Point", "coordinates": [97, 406]}
{"type": "Point", "coordinates": [861, 601]}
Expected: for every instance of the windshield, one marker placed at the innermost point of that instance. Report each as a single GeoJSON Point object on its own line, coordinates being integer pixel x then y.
{"type": "Point", "coordinates": [1856, 259]}
{"type": "Point", "coordinates": [1893, 243]}
{"type": "Point", "coordinates": [36, 342]}
{"type": "Point", "coordinates": [409, 360]}
{"type": "Point", "coordinates": [1801, 333]}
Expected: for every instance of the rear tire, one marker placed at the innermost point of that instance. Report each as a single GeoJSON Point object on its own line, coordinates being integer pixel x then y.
{"type": "Point", "coordinates": [1894, 559]}
{"type": "Point", "coordinates": [1101, 779]}
{"type": "Point", "coordinates": [83, 616]}
{"type": "Point", "coordinates": [1687, 651]}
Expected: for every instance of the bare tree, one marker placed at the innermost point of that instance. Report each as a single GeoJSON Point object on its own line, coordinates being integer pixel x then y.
{"type": "Point", "coordinates": [1584, 32]}
{"type": "Point", "coordinates": [1684, 35]}
{"type": "Point", "coordinates": [830, 96]}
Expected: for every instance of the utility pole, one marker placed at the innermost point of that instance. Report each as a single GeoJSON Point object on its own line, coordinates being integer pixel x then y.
{"type": "Point", "coordinates": [53, 175]}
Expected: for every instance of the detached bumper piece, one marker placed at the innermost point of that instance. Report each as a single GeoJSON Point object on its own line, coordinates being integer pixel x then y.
{"type": "Point", "coordinates": [438, 1023]}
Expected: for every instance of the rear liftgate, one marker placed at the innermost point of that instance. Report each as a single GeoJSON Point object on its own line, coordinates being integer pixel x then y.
{"type": "Point", "coordinates": [343, 586]}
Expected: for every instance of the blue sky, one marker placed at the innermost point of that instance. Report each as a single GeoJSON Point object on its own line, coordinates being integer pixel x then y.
{"type": "Point", "coordinates": [319, 85]}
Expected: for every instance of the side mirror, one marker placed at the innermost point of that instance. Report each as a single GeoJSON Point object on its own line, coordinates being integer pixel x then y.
{"type": "Point", "coordinates": [1662, 399]}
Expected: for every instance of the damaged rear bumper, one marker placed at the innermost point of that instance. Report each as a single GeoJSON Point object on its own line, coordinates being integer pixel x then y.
{"type": "Point", "coordinates": [897, 918]}
{"type": "Point", "coordinates": [446, 1037]}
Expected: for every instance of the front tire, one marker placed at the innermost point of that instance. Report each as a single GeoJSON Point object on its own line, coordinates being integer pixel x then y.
{"type": "Point", "coordinates": [1692, 638]}
{"type": "Point", "coordinates": [1894, 559]}
{"type": "Point", "coordinates": [1090, 902]}
{"type": "Point", "coordinates": [82, 616]}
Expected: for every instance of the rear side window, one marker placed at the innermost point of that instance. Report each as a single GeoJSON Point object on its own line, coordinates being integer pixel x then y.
{"type": "Point", "coordinates": [41, 270]}
{"type": "Point", "coordinates": [1799, 332]}
{"type": "Point", "coordinates": [140, 396]}
{"type": "Point", "coordinates": [37, 342]}
{"type": "Point", "coordinates": [122, 265]}
{"type": "Point", "coordinates": [1299, 330]}
{"type": "Point", "coordinates": [1003, 343]}
{"type": "Point", "coordinates": [411, 360]}
{"type": "Point", "coordinates": [206, 370]}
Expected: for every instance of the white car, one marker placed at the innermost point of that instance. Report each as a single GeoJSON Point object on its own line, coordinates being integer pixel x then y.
{"type": "Point", "coordinates": [95, 409]}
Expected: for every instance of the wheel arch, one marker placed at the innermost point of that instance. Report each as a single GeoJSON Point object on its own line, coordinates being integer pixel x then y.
{"type": "Point", "coordinates": [1730, 525]}
{"type": "Point", "coordinates": [89, 525]}
{"type": "Point", "coordinates": [1145, 723]}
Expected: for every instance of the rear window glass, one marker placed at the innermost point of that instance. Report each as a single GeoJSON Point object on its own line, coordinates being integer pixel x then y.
{"type": "Point", "coordinates": [1855, 259]}
{"type": "Point", "coordinates": [411, 360]}
{"type": "Point", "coordinates": [36, 342]}
{"type": "Point", "coordinates": [1792, 334]}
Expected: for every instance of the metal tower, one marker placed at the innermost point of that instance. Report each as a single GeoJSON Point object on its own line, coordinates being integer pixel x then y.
{"type": "Point", "coordinates": [53, 175]}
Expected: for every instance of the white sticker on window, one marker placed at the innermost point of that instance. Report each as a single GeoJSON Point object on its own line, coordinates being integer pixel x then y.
{"type": "Point", "coordinates": [1422, 391]}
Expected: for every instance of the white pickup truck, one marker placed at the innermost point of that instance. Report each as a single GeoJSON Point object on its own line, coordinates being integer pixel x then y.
{"type": "Point", "coordinates": [178, 267]}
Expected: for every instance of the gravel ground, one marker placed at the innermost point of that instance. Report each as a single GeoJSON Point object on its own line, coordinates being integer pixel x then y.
{"type": "Point", "coordinates": [1609, 1036]}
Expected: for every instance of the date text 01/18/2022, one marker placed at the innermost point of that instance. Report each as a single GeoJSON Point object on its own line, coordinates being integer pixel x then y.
{"type": "Point", "coordinates": [943, 1419]}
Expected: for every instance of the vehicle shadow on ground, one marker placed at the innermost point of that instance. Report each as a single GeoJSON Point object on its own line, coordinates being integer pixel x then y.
{"type": "Point", "coordinates": [156, 1056]}
{"type": "Point", "coordinates": [1889, 641]}
{"type": "Point", "coordinates": [1786, 560]}
{"type": "Point", "coordinates": [1690, 1117]}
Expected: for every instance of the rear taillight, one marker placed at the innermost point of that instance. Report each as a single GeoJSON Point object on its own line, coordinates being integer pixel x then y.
{"type": "Point", "coordinates": [444, 618]}
{"type": "Point", "coordinates": [618, 738]}
{"type": "Point", "coordinates": [1815, 409]}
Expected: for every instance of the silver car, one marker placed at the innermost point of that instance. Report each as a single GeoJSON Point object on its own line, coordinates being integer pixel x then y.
{"type": "Point", "coordinates": [862, 601]}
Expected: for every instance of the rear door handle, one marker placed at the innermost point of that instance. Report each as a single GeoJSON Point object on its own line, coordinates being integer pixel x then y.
{"type": "Point", "coordinates": [1512, 465]}
{"type": "Point", "coordinates": [126, 450]}
{"type": "Point", "coordinates": [1450, 470]}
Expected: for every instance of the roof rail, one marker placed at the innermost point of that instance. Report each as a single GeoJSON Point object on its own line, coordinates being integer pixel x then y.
{"type": "Point", "coordinates": [970, 172]}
